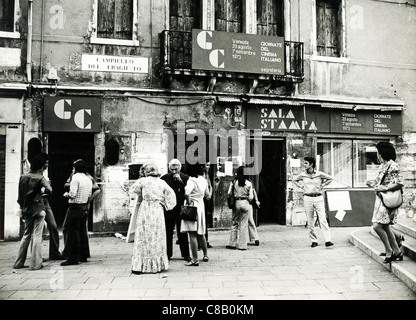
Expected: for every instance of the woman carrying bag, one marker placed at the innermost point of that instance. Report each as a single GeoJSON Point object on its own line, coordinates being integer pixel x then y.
{"type": "Point", "coordinates": [195, 191]}
{"type": "Point", "coordinates": [388, 179]}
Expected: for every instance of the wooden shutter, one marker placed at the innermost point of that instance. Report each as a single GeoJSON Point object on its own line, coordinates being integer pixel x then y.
{"type": "Point", "coordinates": [328, 28]}
{"type": "Point", "coordinates": [270, 17]}
{"type": "Point", "coordinates": [228, 15]}
{"type": "Point", "coordinates": [185, 15]}
{"type": "Point", "coordinates": [124, 19]}
{"type": "Point", "coordinates": [115, 19]}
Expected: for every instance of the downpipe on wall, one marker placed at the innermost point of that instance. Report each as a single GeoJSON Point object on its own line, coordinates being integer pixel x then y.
{"type": "Point", "coordinates": [29, 44]}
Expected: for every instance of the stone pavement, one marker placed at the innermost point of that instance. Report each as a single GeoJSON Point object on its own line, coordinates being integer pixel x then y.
{"type": "Point", "coordinates": [283, 267]}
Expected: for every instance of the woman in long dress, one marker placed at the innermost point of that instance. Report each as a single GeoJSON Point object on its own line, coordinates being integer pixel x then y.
{"type": "Point", "coordinates": [154, 194]}
{"type": "Point", "coordinates": [195, 191]}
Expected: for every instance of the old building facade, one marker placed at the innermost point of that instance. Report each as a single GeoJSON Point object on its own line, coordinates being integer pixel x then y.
{"type": "Point", "coordinates": [261, 83]}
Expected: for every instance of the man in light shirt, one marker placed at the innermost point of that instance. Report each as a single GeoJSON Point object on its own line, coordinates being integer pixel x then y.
{"type": "Point", "coordinates": [313, 200]}
{"type": "Point", "coordinates": [80, 190]}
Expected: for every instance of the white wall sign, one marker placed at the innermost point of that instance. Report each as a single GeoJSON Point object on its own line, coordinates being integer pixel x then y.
{"type": "Point", "coordinates": [104, 63]}
{"type": "Point", "coordinates": [10, 57]}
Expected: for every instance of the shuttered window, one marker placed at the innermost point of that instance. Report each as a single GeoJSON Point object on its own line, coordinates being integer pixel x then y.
{"type": "Point", "coordinates": [229, 15]}
{"type": "Point", "coordinates": [7, 15]}
{"type": "Point", "coordinates": [184, 15]}
{"type": "Point", "coordinates": [328, 27]}
{"type": "Point", "coordinates": [270, 18]}
{"type": "Point", "coordinates": [115, 19]}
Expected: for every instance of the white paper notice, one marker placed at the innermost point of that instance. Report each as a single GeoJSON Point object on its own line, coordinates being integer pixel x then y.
{"type": "Point", "coordinates": [228, 168]}
{"type": "Point", "coordinates": [339, 200]}
{"type": "Point", "coordinates": [340, 215]}
{"type": "Point", "coordinates": [295, 163]}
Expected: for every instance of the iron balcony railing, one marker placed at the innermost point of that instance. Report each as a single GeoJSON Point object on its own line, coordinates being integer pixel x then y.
{"type": "Point", "coordinates": [176, 56]}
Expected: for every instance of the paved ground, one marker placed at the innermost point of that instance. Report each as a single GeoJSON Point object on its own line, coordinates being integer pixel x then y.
{"type": "Point", "coordinates": [283, 267]}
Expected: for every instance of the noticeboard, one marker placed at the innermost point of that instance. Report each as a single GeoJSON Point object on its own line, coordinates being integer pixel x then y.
{"type": "Point", "coordinates": [350, 208]}
{"type": "Point", "coordinates": [237, 52]}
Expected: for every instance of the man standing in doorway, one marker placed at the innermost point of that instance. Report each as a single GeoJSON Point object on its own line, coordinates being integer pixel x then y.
{"type": "Point", "coordinates": [312, 183]}
{"type": "Point", "coordinates": [80, 190]}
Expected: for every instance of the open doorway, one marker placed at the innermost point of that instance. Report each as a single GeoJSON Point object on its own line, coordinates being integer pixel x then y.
{"type": "Point", "coordinates": [64, 148]}
{"type": "Point", "coordinates": [271, 183]}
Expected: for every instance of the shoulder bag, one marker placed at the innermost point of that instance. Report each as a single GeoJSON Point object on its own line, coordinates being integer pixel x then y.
{"type": "Point", "coordinates": [391, 199]}
{"type": "Point", "coordinates": [189, 212]}
{"type": "Point", "coordinates": [231, 197]}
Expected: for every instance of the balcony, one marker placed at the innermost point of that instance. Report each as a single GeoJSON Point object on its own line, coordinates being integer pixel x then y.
{"type": "Point", "coordinates": [176, 59]}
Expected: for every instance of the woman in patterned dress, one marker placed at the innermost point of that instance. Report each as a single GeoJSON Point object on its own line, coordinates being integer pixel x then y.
{"type": "Point", "coordinates": [382, 216]}
{"type": "Point", "coordinates": [154, 194]}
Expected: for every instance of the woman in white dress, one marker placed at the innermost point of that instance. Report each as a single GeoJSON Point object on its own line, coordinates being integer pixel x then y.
{"type": "Point", "coordinates": [154, 194]}
{"type": "Point", "coordinates": [195, 191]}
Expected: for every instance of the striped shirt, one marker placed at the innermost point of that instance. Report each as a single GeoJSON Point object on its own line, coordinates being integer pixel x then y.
{"type": "Point", "coordinates": [80, 188]}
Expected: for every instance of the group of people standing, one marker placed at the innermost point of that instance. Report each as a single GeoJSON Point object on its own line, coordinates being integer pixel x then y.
{"type": "Point", "coordinates": [33, 198]}
{"type": "Point", "coordinates": [159, 202]}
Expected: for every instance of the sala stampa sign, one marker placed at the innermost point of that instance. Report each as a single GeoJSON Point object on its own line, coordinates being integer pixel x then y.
{"type": "Point", "coordinates": [237, 52]}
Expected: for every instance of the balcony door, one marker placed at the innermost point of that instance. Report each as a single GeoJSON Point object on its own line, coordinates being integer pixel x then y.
{"type": "Point", "coordinates": [270, 18]}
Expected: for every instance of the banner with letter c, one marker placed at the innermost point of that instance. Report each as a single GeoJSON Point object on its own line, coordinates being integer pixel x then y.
{"type": "Point", "coordinates": [72, 114]}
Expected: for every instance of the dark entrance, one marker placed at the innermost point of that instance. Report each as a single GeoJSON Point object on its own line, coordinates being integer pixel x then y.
{"type": "Point", "coordinates": [64, 148]}
{"type": "Point", "coordinates": [271, 183]}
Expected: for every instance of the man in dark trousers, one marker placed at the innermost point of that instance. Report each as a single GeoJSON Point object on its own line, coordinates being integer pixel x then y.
{"type": "Point", "coordinates": [74, 227]}
{"type": "Point", "coordinates": [177, 181]}
{"type": "Point", "coordinates": [54, 253]}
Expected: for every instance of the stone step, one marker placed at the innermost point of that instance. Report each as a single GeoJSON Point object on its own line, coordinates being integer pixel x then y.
{"type": "Point", "coordinates": [404, 270]}
{"type": "Point", "coordinates": [407, 227]}
{"type": "Point", "coordinates": [408, 245]}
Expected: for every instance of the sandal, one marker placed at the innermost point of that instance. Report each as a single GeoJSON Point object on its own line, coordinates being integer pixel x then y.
{"type": "Point", "coordinates": [192, 263]}
{"type": "Point", "coordinates": [205, 258]}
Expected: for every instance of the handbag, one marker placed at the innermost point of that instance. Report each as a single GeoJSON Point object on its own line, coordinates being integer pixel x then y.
{"type": "Point", "coordinates": [391, 199]}
{"type": "Point", "coordinates": [189, 212]}
{"type": "Point", "coordinates": [254, 202]}
{"type": "Point", "coordinates": [231, 197]}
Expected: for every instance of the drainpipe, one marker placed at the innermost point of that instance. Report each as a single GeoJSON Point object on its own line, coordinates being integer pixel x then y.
{"type": "Point", "coordinates": [42, 22]}
{"type": "Point", "coordinates": [29, 43]}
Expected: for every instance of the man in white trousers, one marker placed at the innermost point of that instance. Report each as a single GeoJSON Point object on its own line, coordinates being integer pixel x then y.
{"type": "Point", "coordinates": [312, 182]}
